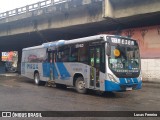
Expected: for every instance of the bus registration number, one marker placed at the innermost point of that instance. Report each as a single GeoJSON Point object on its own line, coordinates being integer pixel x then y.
{"type": "Point", "coordinates": [129, 88]}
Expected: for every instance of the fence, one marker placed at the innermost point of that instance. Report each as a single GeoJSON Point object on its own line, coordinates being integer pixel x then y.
{"type": "Point", "coordinates": [31, 7]}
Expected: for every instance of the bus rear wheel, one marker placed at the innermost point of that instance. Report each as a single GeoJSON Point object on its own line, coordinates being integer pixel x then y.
{"type": "Point", "coordinates": [37, 80]}
{"type": "Point", "coordinates": [80, 85]}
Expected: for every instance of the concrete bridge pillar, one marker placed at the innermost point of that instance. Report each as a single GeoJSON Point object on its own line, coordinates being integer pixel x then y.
{"type": "Point", "coordinates": [19, 61]}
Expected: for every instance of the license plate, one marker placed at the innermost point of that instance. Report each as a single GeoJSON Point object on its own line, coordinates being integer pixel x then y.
{"type": "Point", "coordinates": [129, 88]}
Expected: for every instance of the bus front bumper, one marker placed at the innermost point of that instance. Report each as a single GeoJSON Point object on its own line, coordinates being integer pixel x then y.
{"type": "Point", "coordinates": [112, 86]}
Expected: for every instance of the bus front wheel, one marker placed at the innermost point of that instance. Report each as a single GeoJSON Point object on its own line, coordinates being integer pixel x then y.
{"type": "Point", "coordinates": [80, 85]}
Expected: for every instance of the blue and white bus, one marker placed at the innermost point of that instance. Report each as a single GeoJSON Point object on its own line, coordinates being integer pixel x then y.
{"type": "Point", "coordinates": [100, 62]}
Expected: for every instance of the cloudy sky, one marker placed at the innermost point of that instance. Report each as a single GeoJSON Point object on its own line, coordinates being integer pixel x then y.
{"type": "Point", "coordinates": [6, 5]}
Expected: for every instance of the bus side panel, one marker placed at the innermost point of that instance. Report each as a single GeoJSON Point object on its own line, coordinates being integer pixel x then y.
{"type": "Point", "coordinates": [41, 72]}
{"type": "Point", "coordinates": [46, 69]}
{"type": "Point", "coordinates": [67, 71]}
{"type": "Point", "coordinates": [28, 70]}
{"type": "Point", "coordinates": [23, 68]}
{"type": "Point", "coordinates": [64, 73]}
{"type": "Point", "coordinates": [49, 69]}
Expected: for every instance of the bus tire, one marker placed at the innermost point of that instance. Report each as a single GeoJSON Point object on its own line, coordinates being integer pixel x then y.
{"type": "Point", "coordinates": [37, 80]}
{"type": "Point", "coordinates": [80, 85]}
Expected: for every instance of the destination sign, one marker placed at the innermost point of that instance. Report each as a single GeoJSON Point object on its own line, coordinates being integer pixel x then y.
{"type": "Point", "coordinates": [122, 41]}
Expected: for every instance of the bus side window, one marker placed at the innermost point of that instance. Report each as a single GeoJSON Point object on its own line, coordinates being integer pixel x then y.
{"type": "Point", "coordinates": [49, 59]}
{"type": "Point", "coordinates": [83, 54]}
{"type": "Point", "coordinates": [73, 57]}
{"type": "Point", "coordinates": [63, 54]}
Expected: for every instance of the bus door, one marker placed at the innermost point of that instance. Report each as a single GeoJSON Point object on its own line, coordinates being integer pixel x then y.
{"type": "Point", "coordinates": [94, 62]}
{"type": "Point", "coordinates": [52, 68]}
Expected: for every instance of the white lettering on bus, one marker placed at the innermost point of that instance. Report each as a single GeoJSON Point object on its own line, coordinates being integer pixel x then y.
{"type": "Point", "coordinates": [122, 41]}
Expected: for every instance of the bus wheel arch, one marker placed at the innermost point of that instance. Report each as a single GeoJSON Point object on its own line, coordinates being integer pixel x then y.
{"type": "Point", "coordinates": [78, 82]}
{"type": "Point", "coordinates": [76, 75]}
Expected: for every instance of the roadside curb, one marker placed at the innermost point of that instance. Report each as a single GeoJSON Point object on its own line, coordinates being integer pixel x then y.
{"type": "Point", "coordinates": [9, 75]}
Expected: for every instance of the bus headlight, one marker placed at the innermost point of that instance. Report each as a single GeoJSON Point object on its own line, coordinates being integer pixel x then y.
{"type": "Point", "coordinates": [111, 77]}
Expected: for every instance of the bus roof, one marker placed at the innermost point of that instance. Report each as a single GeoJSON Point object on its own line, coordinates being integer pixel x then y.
{"type": "Point", "coordinates": [34, 47]}
{"type": "Point", "coordinates": [73, 41]}
{"type": "Point", "coordinates": [78, 40]}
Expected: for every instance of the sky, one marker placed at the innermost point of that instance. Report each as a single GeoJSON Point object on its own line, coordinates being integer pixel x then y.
{"type": "Point", "coordinates": [6, 5]}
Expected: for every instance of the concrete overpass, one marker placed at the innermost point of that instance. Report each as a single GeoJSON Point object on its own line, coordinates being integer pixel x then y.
{"type": "Point", "coordinates": [67, 19]}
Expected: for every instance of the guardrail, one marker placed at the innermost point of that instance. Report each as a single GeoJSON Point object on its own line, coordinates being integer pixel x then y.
{"type": "Point", "coordinates": [31, 7]}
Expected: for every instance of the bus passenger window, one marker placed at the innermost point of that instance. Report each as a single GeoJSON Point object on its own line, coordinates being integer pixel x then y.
{"type": "Point", "coordinates": [63, 54]}
{"type": "Point", "coordinates": [82, 54]}
{"type": "Point", "coordinates": [73, 55]}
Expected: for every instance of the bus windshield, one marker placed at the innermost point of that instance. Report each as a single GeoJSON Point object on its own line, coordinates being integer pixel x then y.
{"type": "Point", "coordinates": [124, 60]}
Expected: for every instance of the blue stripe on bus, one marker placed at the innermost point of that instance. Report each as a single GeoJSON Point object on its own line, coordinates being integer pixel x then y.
{"type": "Point", "coordinates": [122, 80]}
{"type": "Point", "coordinates": [63, 71]}
{"type": "Point", "coordinates": [135, 80]}
{"type": "Point", "coordinates": [112, 86]}
{"type": "Point", "coordinates": [55, 73]}
{"type": "Point", "coordinates": [46, 70]}
{"type": "Point", "coordinates": [128, 80]}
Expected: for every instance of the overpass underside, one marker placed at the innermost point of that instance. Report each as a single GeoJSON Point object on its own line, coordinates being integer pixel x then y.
{"type": "Point", "coordinates": [76, 18]}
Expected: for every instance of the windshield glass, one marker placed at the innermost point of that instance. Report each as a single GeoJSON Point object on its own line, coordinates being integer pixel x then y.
{"type": "Point", "coordinates": [124, 59]}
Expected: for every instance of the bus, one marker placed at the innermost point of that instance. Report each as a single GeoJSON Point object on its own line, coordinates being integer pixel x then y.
{"type": "Point", "coordinates": [101, 62]}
